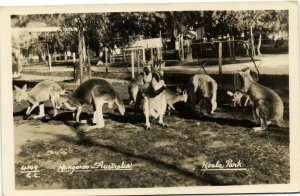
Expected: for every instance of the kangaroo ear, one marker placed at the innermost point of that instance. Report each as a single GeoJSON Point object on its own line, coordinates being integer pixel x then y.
{"type": "Point", "coordinates": [246, 70]}
{"type": "Point", "coordinates": [161, 72]}
{"type": "Point", "coordinates": [178, 90]}
{"type": "Point", "coordinates": [230, 93]}
{"type": "Point", "coordinates": [24, 88]}
{"type": "Point", "coordinates": [17, 88]}
{"type": "Point", "coordinates": [162, 65]}
{"type": "Point", "coordinates": [184, 92]}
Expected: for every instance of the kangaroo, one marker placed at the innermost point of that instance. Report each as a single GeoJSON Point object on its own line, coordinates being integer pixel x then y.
{"type": "Point", "coordinates": [237, 98]}
{"type": "Point", "coordinates": [267, 106]}
{"type": "Point", "coordinates": [203, 91]}
{"type": "Point", "coordinates": [40, 93]}
{"type": "Point", "coordinates": [137, 83]}
{"type": "Point", "coordinates": [96, 92]}
{"type": "Point", "coordinates": [173, 98]}
{"type": "Point", "coordinates": [154, 101]}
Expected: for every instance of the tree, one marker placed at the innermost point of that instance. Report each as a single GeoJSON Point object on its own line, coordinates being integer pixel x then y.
{"type": "Point", "coordinates": [235, 22]}
{"type": "Point", "coordinates": [179, 23]}
{"type": "Point", "coordinates": [259, 20]}
{"type": "Point", "coordinates": [73, 25]}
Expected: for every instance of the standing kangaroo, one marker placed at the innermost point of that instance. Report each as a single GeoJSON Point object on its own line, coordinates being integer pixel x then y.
{"type": "Point", "coordinates": [154, 101]}
{"type": "Point", "coordinates": [96, 92]}
{"type": "Point", "coordinates": [267, 105]}
{"type": "Point", "coordinates": [40, 93]}
{"type": "Point", "coordinates": [135, 85]}
{"type": "Point", "coordinates": [203, 91]}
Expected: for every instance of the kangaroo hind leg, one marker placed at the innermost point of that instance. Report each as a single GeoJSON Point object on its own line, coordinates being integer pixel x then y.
{"type": "Point", "coordinates": [99, 115]}
{"type": "Point", "coordinates": [41, 111]}
{"type": "Point", "coordinates": [146, 111]}
{"type": "Point", "coordinates": [261, 113]}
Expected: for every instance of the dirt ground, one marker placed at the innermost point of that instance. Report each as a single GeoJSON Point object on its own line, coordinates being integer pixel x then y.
{"type": "Point", "coordinates": [160, 157]}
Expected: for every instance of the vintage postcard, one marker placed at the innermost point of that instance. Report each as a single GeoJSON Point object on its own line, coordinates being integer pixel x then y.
{"type": "Point", "coordinates": [141, 99]}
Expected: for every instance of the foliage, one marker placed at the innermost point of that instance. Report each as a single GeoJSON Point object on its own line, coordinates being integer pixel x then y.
{"type": "Point", "coordinates": [115, 28]}
{"type": "Point", "coordinates": [235, 22]}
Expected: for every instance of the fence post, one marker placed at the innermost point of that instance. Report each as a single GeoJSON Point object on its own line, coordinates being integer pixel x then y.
{"type": "Point", "coordinates": [50, 63]}
{"type": "Point", "coordinates": [181, 48]}
{"type": "Point", "coordinates": [74, 57]}
{"type": "Point", "coordinates": [65, 57]}
{"type": "Point", "coordinates": [151, 54]}
{"type": "Point", "coordinates": [144, 57]}
{"type": "Point", "coordinates": [106, 68]}
{"type": "Point", "coordinates": [220, 57]}
{"type": "Point", "coordinates": [230, 48]}
{"type": "Point", "coordinates": [132, 64]}
{"type": "Point", "coordinates": [138, 61]}
{"type": "Point", "coordinates": [233, 49]}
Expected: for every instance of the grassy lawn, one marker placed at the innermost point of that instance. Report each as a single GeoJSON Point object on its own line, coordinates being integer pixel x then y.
{"type": "Point", "coordinates": [160, 157]}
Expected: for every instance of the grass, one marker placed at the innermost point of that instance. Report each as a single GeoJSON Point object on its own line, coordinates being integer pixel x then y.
{"type": "Point", "coordinates": [161, 157]}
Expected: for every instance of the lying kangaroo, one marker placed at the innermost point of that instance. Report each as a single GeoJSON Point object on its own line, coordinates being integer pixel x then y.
{"type": "Point", "coordinates": [94, 91]}
{"type": "Point", "coordinates": [40, 93]}
{"type": "Point", "coordinates": [267, 105]}
{"type": "Point", "coordinates": [237, 98]}
{"type": "Point", "coordinates": [173, 98]}
{"type": "Point", "coordinates": [203, 91]}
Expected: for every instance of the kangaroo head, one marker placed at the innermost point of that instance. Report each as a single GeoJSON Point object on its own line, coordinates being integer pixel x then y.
{"type": "Point", "coordinates": [156, 76]}
{"type": "Point", "coordinates": [253, 74]}
{"type": "Point", "coordinates": [21, 93]}
{"type": "Point", "coordinates": [157, 81]}
{"type": "Point", "coordinates": [159, 67]}
{"type": "Point", "coordinates": [184, 95]}
{"type": "Point", "coordinates": [243, 80]}
{"type": "Point", "coordinates": [235, 96]}
{"type": "Point", "coordinates": [120, 104]}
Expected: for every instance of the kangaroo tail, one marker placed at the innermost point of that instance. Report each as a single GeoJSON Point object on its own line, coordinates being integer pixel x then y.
{"type": "Point", "coordinates": [281, 123]}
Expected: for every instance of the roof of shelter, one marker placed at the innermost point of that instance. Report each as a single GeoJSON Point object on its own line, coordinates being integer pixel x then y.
{"type": "Point", "coordinates": [148, 43]}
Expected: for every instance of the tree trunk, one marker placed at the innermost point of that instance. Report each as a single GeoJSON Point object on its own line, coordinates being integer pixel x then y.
{"type": "Point", "coordinates": [83, 69]}
{"type": "Point", "coordinates": [106, 66]}
{"type": "Point", "coordinates": [89, 63]}
{"type": "Point", "coordinates": [78, 66]}
{"type": "Point", "coordinates": [86, 67]}
{"type": "Point", "coordinates": [259, 44]}
{"type": "Point", "coordinates": [252, 42]}
{"type": "Point", "coordinates": [65, 56]}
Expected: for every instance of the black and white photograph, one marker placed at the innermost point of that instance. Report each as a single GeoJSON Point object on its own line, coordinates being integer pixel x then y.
{"type": "Point", "coordinates": [170, 97]}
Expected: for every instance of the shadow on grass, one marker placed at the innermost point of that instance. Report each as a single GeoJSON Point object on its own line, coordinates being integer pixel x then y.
{"type": "Point", "coordinates": [64, 116]}
{"type": "Point", "coordinates": [33, 113]}
{"type": "Point", "coordinates": [85, 140]}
